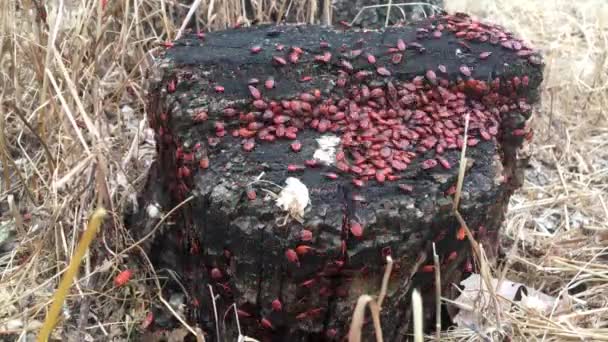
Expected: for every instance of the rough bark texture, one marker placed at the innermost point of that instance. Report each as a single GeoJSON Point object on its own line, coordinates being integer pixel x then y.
{"type": "Point", "coordinates": [238, 245]}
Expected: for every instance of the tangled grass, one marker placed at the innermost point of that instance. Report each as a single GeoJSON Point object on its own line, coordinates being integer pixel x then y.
{"type": "Point", "coordinates": [73, 137]}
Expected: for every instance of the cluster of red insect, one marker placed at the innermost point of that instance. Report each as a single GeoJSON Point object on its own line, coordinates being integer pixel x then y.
{"type": "Point", "coordinates": [383, 129]}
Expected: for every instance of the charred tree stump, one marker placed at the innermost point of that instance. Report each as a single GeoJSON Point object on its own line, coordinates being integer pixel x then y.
{"type": "Point", "coordinates": [238, 112]}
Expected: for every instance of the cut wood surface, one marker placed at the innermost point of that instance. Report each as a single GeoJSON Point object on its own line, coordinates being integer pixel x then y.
{"type": "Point", "coordinates": [238, 112]}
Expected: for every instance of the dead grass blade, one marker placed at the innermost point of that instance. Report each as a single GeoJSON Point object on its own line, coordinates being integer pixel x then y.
{"type": "Point", "coordinates": [72, 271]}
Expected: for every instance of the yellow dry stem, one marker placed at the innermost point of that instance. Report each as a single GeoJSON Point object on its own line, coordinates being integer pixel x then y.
{"type": "Point", "coordinates": [68, 277]}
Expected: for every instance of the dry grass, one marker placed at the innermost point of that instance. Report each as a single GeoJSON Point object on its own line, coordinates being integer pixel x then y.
{"type": "Point", "coordinates": [73, 137]}
{"type": "Point", "coordinates": [556, 232]}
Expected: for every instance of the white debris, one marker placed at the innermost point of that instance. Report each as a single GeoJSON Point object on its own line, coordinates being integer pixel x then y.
{"type": "Point", "coordinates": [14, 324]}
{"type": "Point", "coordinates": [476, 296]}
{"type": "Point", "coordinates": [294, 198]}
{"type": "Point", "coordinates": [153, 210]}
{"type": "Point", "coordinates": [326, 153]}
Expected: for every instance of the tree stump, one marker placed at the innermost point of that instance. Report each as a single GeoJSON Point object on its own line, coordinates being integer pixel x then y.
{"type": "Point", "coordinates": [371, 123]}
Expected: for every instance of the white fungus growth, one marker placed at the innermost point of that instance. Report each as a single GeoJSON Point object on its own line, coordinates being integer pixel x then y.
{"type": "Point", "coordinates": [153, 210]}
{"type": "Point", "coordinates": [294, 198]}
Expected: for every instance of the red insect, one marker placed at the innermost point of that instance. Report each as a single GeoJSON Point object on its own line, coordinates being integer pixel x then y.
{"type": "Point", "coordinates": [386, 251]}
{"type": "Point", "coordinates": [266, 324]}
{"type": "Point", "coordinates": [219, 89]}
{"type": "Point", "coordinates": [279, 60]}
{"type": "Point", "coordinates": [311, 163]}
{"type": "Point", "coordinates": [200, 117]}
{"type": "Point", "coordinates": [360, 75]}
{"type": "Point", "coordinates": [303, 249]}
{"type": "Point", "coordinates": [245, 133]}
{"type": "Point", "coordinates": [345, 24]}
{"type": "Point", "coordinates": [371, 59]}
{"type": "Point", "coordinates": [485, 55]}
{"type": "Point", "coordinates": [148, 320]}
{"type": "Point", "coordinates": [306, 235]}
{"type": "Point", "coordinates": [256, 49]}
{"type": "Point", "coordinates": [216, 274]}
{"type": "Point", "coordinates": [324, 58]}
{"type": "Point", "coordinates": [380, 176]}
{"type": "Point", "coordinates": [183, 172]}
{"type": "Point", "coordinates": [255, 92]}
{"type": "Point", "coordinates": [123, 277]}
{"type": "Point", "coordinates": [516, 82]}
{"type": "Point", "coordinates": [167, 44]}
{"type": "Point", "coordinates": [465, 70]}
{"type": "Point", "coordinates": [452, 256]}
{"type": "Point", "coordinates": [292, 256]}
{"type": "Point", "coordinates": [331, 175]}
{"type": "Point", "coordinates": [294, 168]}
{"type": "Point", "coordinates": [296, 146]}
{"type": "Point", "coordinates": [171, 86]}
{"type": "Point", "coordinates": [428, 164]}
{"type": "Point", "coordinates": [519, 132]}
{"type": "Point", "coordinates": [243, 313]}
{"type": "Point", "coordinates": [431, 76]}
{"type": "Point", "coordinates": [396, 58]}
{"type": "Point", "coordinates": [444, 163]}
{"type": "Point", "coordinates": [249, 145]}
{"type": "Point", "coordinates": [251, 195]}
{"type": "Point", "coordinates": [468, 266]}
{"type": "Point", "coordinates": [204, 163]}
{"type": "Point", "coordinates": [355, 53]}
{"type": "Point", "coordinates": [427, 269]}
{"type": "Point", "coordinates": [346, 65]}
{"type": "Point", "coordinates": [229, 112]}
{"type": "Point", "coordinates": [308, 283]}
{"type": "Point", "coordinates": [461, 234]}
{"type": "Point", "coordinates": [356, 229]}
{"type": "Point", "coordinates": [307, 97]}
{"type": "Point", "coordinates": [277, 305]}
{"type": "Point", "coordinates": [358, 182]}
{"type": "Point", "coordinates": [401, 45]}
{"type": "Point", "coordinates": [260, 104]}
{"type": "Point", "coordinates": [294, 57]}
{"type": "Point", "coordinates": [472, 142]}
{"type": "Point", "coordinates": [306, 79]}
{"type": "Point", "coordinates": [406, 188]}
{"type": "Point", "coordinates": [269, 83]}
{"type": "Point", "coordinates": [376, 93]}
{"type": "Point", "coordinates": [383, 71]}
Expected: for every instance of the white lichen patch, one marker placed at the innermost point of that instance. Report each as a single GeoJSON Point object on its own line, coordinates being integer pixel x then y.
{"type": "Point", "coordinates": [294, 198]}
{"type": "Point", "coordinates": [153, 210]}
{"type": "Point", "coordinates": [326, 153]}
